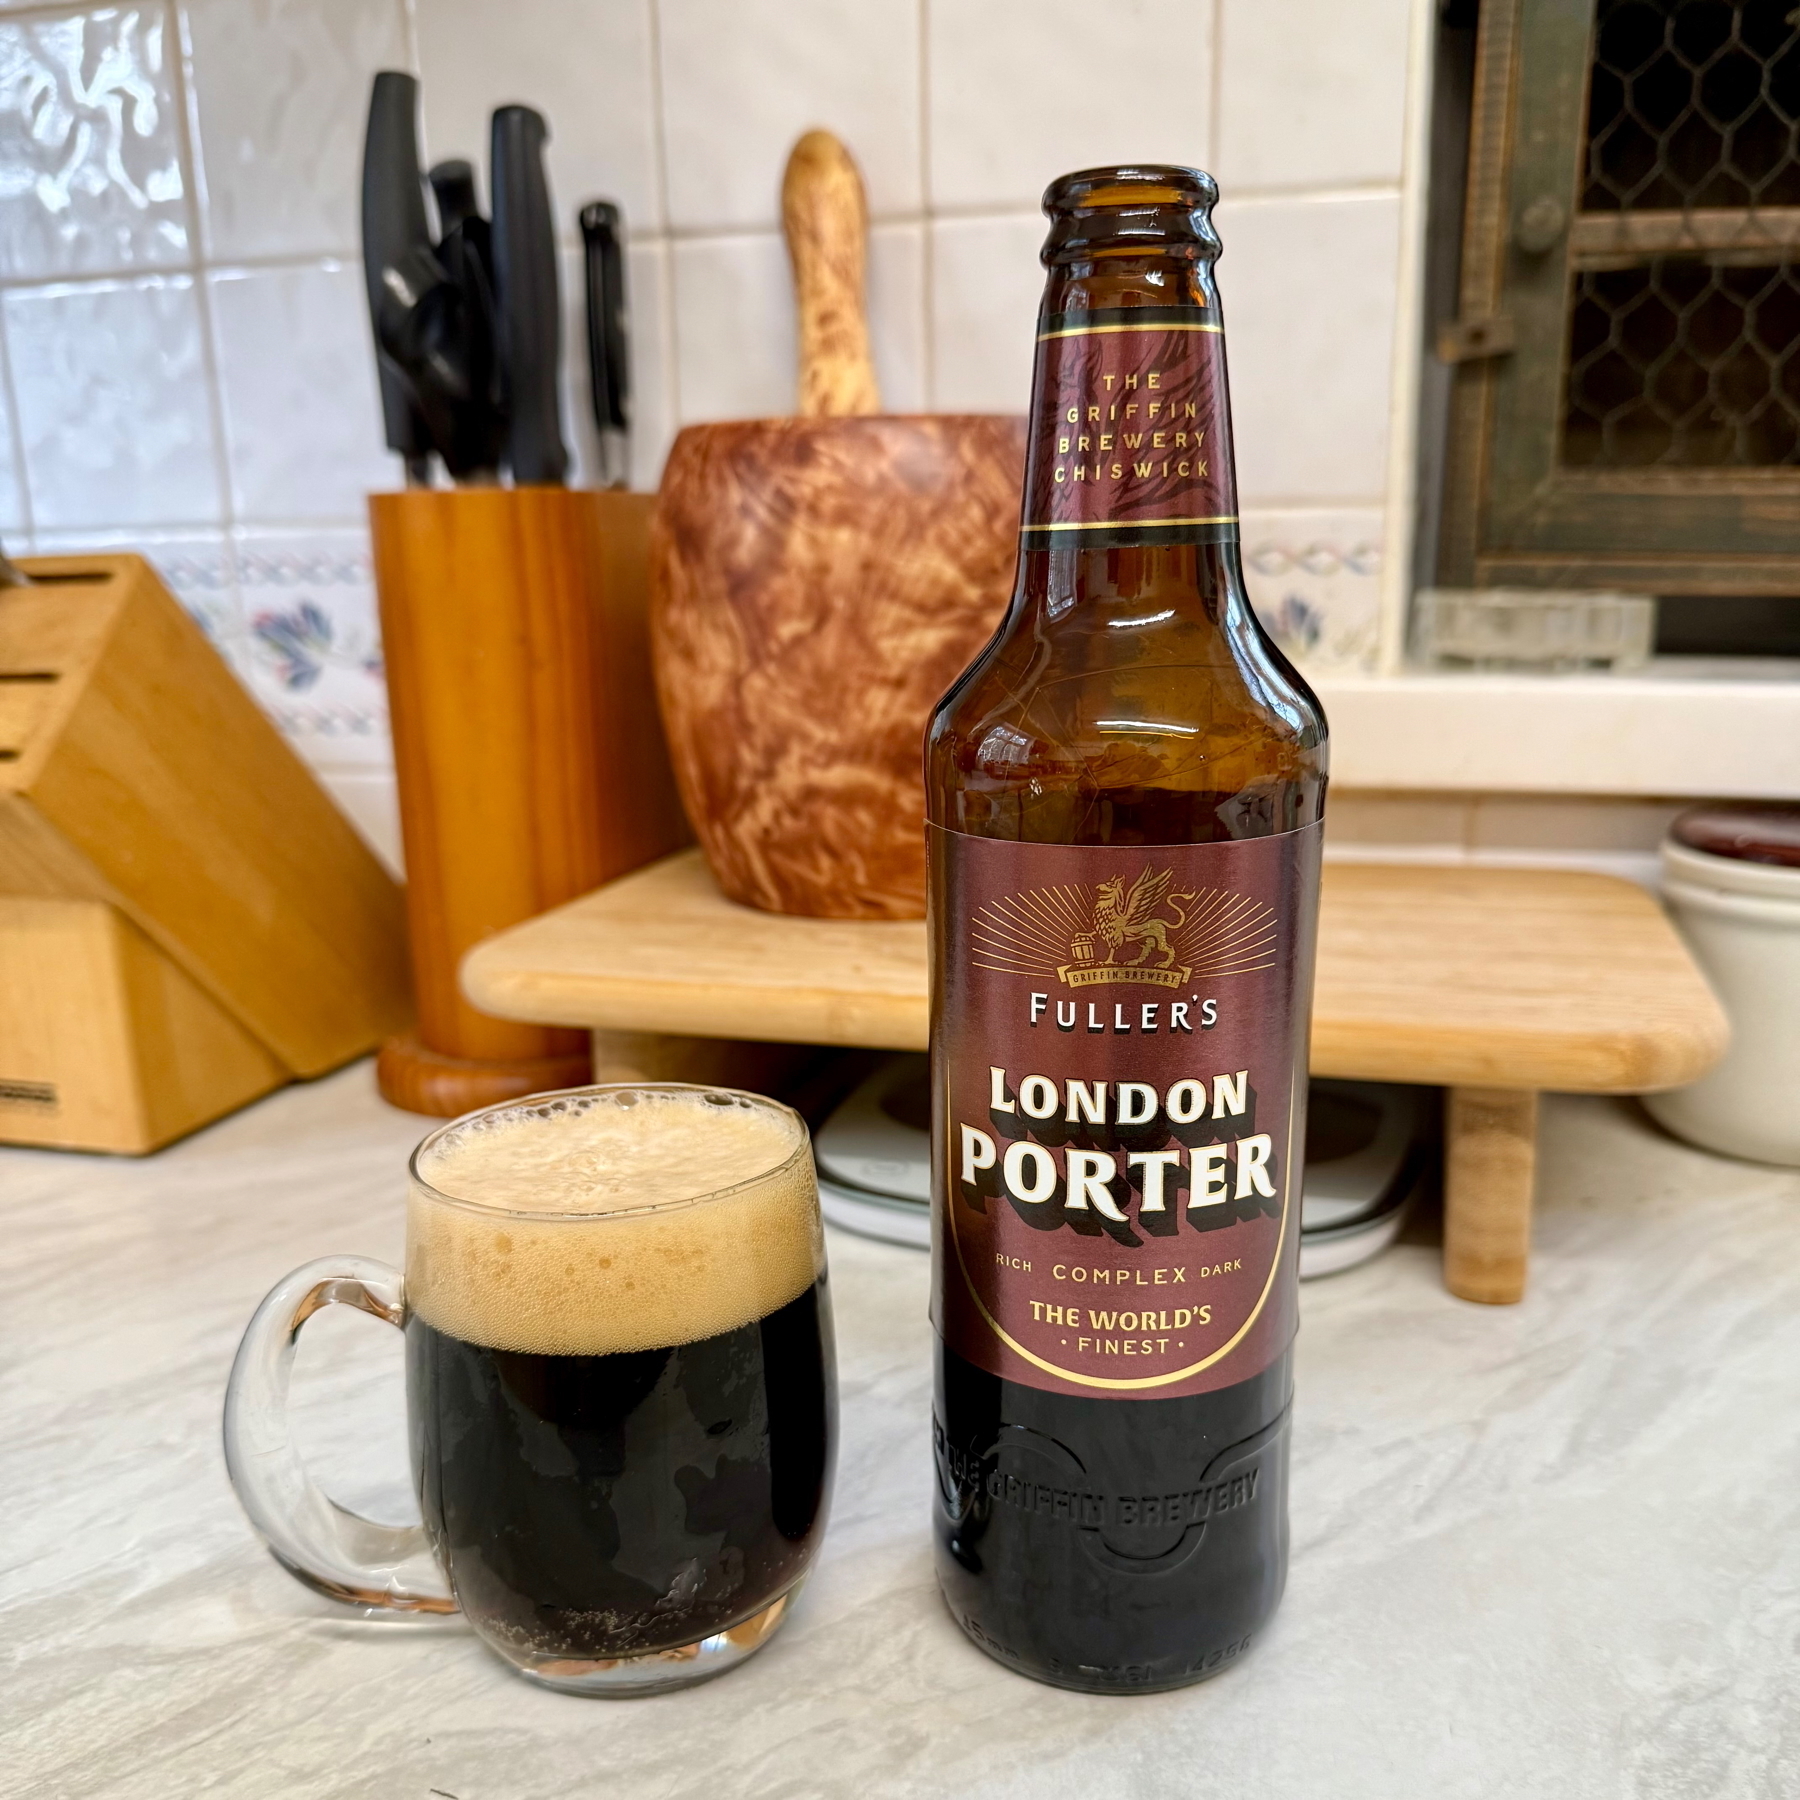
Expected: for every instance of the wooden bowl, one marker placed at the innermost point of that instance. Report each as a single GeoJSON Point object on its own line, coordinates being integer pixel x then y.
{"type": "Point", "coordinates": [817, 584]}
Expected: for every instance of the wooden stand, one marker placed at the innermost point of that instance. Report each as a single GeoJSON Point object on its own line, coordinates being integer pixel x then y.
{"type": "Point", "coordinates": [1495, 983]}
{"type": "Point", "coordinates": [530, 762]}
{"type": "Point", "coordinates": [1490, 1164]}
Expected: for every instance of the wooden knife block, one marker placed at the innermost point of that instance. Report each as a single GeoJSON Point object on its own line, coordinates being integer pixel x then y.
{"type": "Point", "coordinates": [105, 1043]}
{"type": "Point", "coordinates": [530, 762]}
{"type": "Point", "coordinates": [186, 920]}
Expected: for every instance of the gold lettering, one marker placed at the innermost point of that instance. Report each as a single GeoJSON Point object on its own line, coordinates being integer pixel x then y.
{"type": "Point", "coordinates": [1156, 440]}
{"type": "Point", "coordinates": [1153, 379]}
{"type": "Point", "coordinates": [1131, 381]}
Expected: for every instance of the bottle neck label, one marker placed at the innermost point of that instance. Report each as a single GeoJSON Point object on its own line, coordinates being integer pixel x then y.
{"type": "Point", "coordinates": [1131, 430]}
{"type": "Point", "coordinates": [1118, 1055]}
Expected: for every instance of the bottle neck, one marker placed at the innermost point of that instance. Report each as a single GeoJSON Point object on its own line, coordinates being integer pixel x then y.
{"type": "Point", "coordinates": [1125, 598]}
{"type": "Point", "coordinates": [1130, 436]}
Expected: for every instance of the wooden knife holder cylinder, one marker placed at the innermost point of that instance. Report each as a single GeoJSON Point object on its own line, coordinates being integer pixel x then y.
{"type": "Point", "coordinates": [530, 764]}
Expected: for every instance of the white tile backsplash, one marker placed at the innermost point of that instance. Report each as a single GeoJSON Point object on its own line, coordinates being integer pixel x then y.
{"type": "Point", "coordinates": [282, 152]}
{"type": "Point", "coordinates": [734, 313]}
{"type": "Point", "coordinates": [735, 355]}
{"type": "Point", "coordinates": [897, 329]}
{"type": "Point", "coordinates": [986, 282]}
{"type": "Point", "coordinates": [114, 403]}
{"type": "Point", "coordinates": [302, 414]}
{"type": "Point", "coordinates": [370, 800]}
{"type": "Point", "coordinates": [742, 79]}
{"type": "Point", "coordinates": [1317, 95]}
{"type": "Point", "coordinates": [1025, 90]}
{"type": "Point", "coordinates": [1307, 287]}
{"type": "Point", "coordinates": [91, 175]}
{"type": "Point", "coordinates": [584, 64]}
{"type": "Point", "coordinates": [182, 307]}
{"type": "Point", "coordinates": [15, 509]}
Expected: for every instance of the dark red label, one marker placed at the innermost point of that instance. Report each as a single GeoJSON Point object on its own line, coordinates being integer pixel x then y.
{"type": "Point", "coordinates": [1131, 439]}
{"type": "Point", "coordinates": [1118, 1059]}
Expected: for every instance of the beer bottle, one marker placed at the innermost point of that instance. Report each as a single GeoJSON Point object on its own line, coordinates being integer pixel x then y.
{"type": "Point", "coordinates": [1126, 791]}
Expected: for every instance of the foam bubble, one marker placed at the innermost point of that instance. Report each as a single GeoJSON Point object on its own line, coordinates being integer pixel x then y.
{"type": "Point", "coordinates": [583, 1229]}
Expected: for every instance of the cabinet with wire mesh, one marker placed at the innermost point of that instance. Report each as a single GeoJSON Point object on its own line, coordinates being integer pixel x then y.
{"type": "Point", "coordinates": [1626, 406]}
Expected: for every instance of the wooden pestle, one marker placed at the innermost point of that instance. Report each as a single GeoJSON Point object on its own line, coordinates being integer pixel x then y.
{"type": "Point", "coordinates": [826, 219]}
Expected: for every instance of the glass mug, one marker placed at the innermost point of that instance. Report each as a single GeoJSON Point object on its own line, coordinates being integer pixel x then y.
{"type": "Point", "coordinates": [621, 1390]}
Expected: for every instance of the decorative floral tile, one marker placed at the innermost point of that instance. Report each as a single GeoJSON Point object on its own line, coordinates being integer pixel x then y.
{"type": "Point", "coordinates": [312, 645]}
{"type": "Point", "coordinates": [91, 173]}
{"type": "Point", "coordinates": [200, 574]}
{"type": "Point", "coordinates": [1315, 581]}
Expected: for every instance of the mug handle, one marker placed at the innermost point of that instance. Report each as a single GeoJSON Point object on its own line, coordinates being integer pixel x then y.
{"type": "Point", "coordinates": [381, 1568]}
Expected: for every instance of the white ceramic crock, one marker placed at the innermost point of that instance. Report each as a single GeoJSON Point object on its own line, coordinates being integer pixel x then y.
{"type": "Point", "coordinates": [1742, 922]}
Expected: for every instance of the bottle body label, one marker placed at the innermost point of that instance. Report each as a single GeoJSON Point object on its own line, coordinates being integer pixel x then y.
{"type": "Point", "coordinates": [1131, 433]}
{"type": "Point", "coordinates": [1118, 1069]}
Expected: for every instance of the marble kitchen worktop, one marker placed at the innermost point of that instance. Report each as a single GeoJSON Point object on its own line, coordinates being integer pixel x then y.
{"type": "Point", "coordinates": [1548, 1550]}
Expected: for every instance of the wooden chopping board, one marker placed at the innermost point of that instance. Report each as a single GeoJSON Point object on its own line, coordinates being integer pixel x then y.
{"type": "Point", "coordinates": [1506, 978]}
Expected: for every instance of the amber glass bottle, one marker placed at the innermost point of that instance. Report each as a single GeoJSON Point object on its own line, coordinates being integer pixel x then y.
{"type": "Point", "coordinates": [1125, 791]}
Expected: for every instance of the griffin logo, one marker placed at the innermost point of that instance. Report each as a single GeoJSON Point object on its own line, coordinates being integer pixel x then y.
{"type": "Point", "coordinates": [1150, 933]}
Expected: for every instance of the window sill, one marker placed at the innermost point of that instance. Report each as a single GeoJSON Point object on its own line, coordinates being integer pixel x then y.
{"type": "Point", "coordinates": [1684, 727]}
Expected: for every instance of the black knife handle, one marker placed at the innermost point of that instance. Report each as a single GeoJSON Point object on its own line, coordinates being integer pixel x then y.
{"type": "Point", "coordinates": [524, 249]}
{"type": "Point", "coordinates": [608, 369]}
{"type": "Point", "coordinates": [453, 186]}
{"type": "Point", "coordinates": [393, 227]}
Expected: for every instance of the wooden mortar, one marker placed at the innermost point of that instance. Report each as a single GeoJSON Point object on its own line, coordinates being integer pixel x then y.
{"type": "Point", "coordinates": [817, 583]}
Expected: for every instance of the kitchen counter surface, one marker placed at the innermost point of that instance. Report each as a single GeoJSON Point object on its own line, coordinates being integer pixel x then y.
{"type": "Point", "coordinates": [1552, 1549]}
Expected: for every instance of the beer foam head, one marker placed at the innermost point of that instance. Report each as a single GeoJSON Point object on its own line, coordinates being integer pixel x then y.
{"type": "Point", "coordinates": [617, 1219]}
